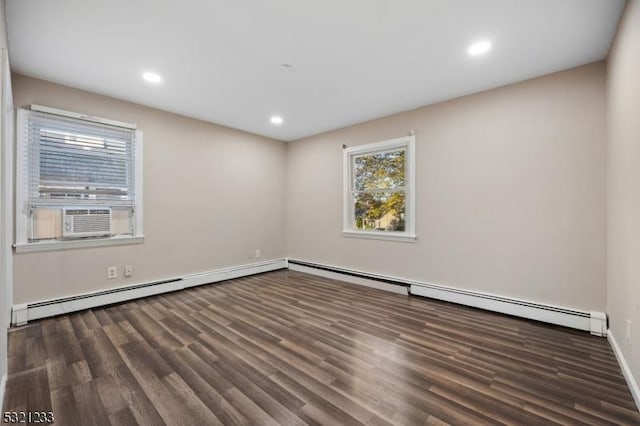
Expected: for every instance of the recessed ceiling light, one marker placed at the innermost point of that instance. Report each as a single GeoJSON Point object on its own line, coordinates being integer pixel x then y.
{"type": "Point", "coordinates": [152, 77]}
{"type": "Point", "coordinates": [277, 120]}
{"type": "Point", "coordinates": [479, 48]}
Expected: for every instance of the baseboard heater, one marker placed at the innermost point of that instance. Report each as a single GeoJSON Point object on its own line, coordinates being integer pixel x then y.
{"type": "Point", "coordinates": [592, 321]}
{"type": "Point", "coordinates": [23, 313]}
{"type": "Point", "coordinates": [595, 322]}
{"type": "Point", "coordinates": [352, 273]}
{"type": "Point", "coordinates": [380, 282]}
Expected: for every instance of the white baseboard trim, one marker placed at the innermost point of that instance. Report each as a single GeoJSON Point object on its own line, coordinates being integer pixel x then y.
{"type": "Point", "coordinates": [21, 314]}
{"type": "Point", "coordinates": [626, 370]}
{"type": "Point", "coordinates": [3, 385]}
{"type": "Point", "coordinates": [367, 282]}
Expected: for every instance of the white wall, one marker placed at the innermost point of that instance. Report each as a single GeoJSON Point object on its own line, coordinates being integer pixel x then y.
{"type": "Point", "coordinates": [5, 261]}
{"type": "Point", "coordinates": [510, 193]}
{"type": "Point", "coordinates": [212, 196]}
{"type": "Point", "coordinates": [623, 185]}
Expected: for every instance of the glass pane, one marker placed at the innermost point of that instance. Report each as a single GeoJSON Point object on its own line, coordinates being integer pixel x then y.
{"type": "Point", "coordinates": [379, 211]}
{"type": "Point", "coordinates": [381, 170]}
{"type": "Point", "coordinates": [76, 164]}
{"type": "Point", "coordinates": [75, 160]}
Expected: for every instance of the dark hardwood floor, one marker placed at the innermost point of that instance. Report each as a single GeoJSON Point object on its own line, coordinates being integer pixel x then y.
{"type": "Point", "coordinates": [290, 348]}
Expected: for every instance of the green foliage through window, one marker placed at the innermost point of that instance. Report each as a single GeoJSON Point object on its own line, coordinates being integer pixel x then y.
{"type": "Point", "coordinates": [379, 194]}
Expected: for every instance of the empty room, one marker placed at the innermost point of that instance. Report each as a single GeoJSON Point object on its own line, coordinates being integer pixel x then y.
{"type": "Point", "coordinates": [285, 212]}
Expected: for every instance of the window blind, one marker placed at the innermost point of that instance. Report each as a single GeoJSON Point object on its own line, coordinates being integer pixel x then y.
{"type": "Point", "coordinates": [76, 160]}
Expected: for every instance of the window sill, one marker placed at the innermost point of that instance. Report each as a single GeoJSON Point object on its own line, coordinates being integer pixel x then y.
{"type": "Point", "coordinates": [75, 244]}
{"type": "Point", "coordinates": [373, 235]}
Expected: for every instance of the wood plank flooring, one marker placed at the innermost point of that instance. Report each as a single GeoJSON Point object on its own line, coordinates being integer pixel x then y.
{"type": "Point", "coordinates": [290, 348]}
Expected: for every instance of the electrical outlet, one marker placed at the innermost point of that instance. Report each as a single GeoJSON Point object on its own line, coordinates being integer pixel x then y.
{"type": "Point", "coordinates": [258, 253]}
{"type": "Point", "coordinates": [112, 272]}
{"type": "Point", "coordinates": [629, 340]}
{"type": "Point", "coordinates": [128, 270]}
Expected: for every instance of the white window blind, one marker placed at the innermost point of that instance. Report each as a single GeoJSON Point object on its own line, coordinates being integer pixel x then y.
{"type": "Point", "coordinates": [67, 160]}
{"type": "Point", "coordinates": [77, 161]}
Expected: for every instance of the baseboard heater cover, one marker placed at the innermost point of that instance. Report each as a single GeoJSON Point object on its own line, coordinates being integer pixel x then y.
{"type": "Point", "coordinates": [380, 282]}
{"type": "Point", "coordinates": [595, 322]}
{"type": "Point", "coordinates": [592, 321]}
{"type": "Point", "coordinates": [23, 313]}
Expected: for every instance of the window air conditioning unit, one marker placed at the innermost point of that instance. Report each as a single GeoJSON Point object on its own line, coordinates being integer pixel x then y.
{"type": "Point", "coordinates": [78, 222]}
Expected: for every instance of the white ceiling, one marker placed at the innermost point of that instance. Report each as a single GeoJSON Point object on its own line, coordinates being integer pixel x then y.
{"type": "Point", "coordinates": [354, 60]}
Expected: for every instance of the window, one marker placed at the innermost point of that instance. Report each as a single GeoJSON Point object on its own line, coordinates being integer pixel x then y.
{"type": "Point", "coordinates": [379, 190]}
{"type": "Point", "coordinates": [78, 181]}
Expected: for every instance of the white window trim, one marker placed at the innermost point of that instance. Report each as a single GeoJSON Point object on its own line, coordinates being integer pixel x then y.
{"type": "Point", "coordinates": [83, 117]}
{"type": "Point", "coordinates": [7, 113]}
{"type": "Point", "coordinates": [22, 245]}
{"type": "Point", "coordinates": [51, 245]}
{"type": "Point", "coordinates": [409, 235]}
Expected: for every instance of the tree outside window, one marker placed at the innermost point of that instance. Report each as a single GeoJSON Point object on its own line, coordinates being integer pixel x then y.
{"type": "Point", "coordinates": [379, 190]}
{"type": "Point", "coordinates": [379, 193]}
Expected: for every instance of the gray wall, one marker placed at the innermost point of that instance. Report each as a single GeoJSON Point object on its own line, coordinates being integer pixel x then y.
{"type": "Point", "coordinates": [510, 193]}
{"type": "Point", "coordinates": [623, 185]}
{"type": "Point", "coordinates": [212, 196]}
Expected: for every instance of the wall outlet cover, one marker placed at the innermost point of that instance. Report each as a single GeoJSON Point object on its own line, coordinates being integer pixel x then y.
{"type": "Point", "coordinates": [112, 272]}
